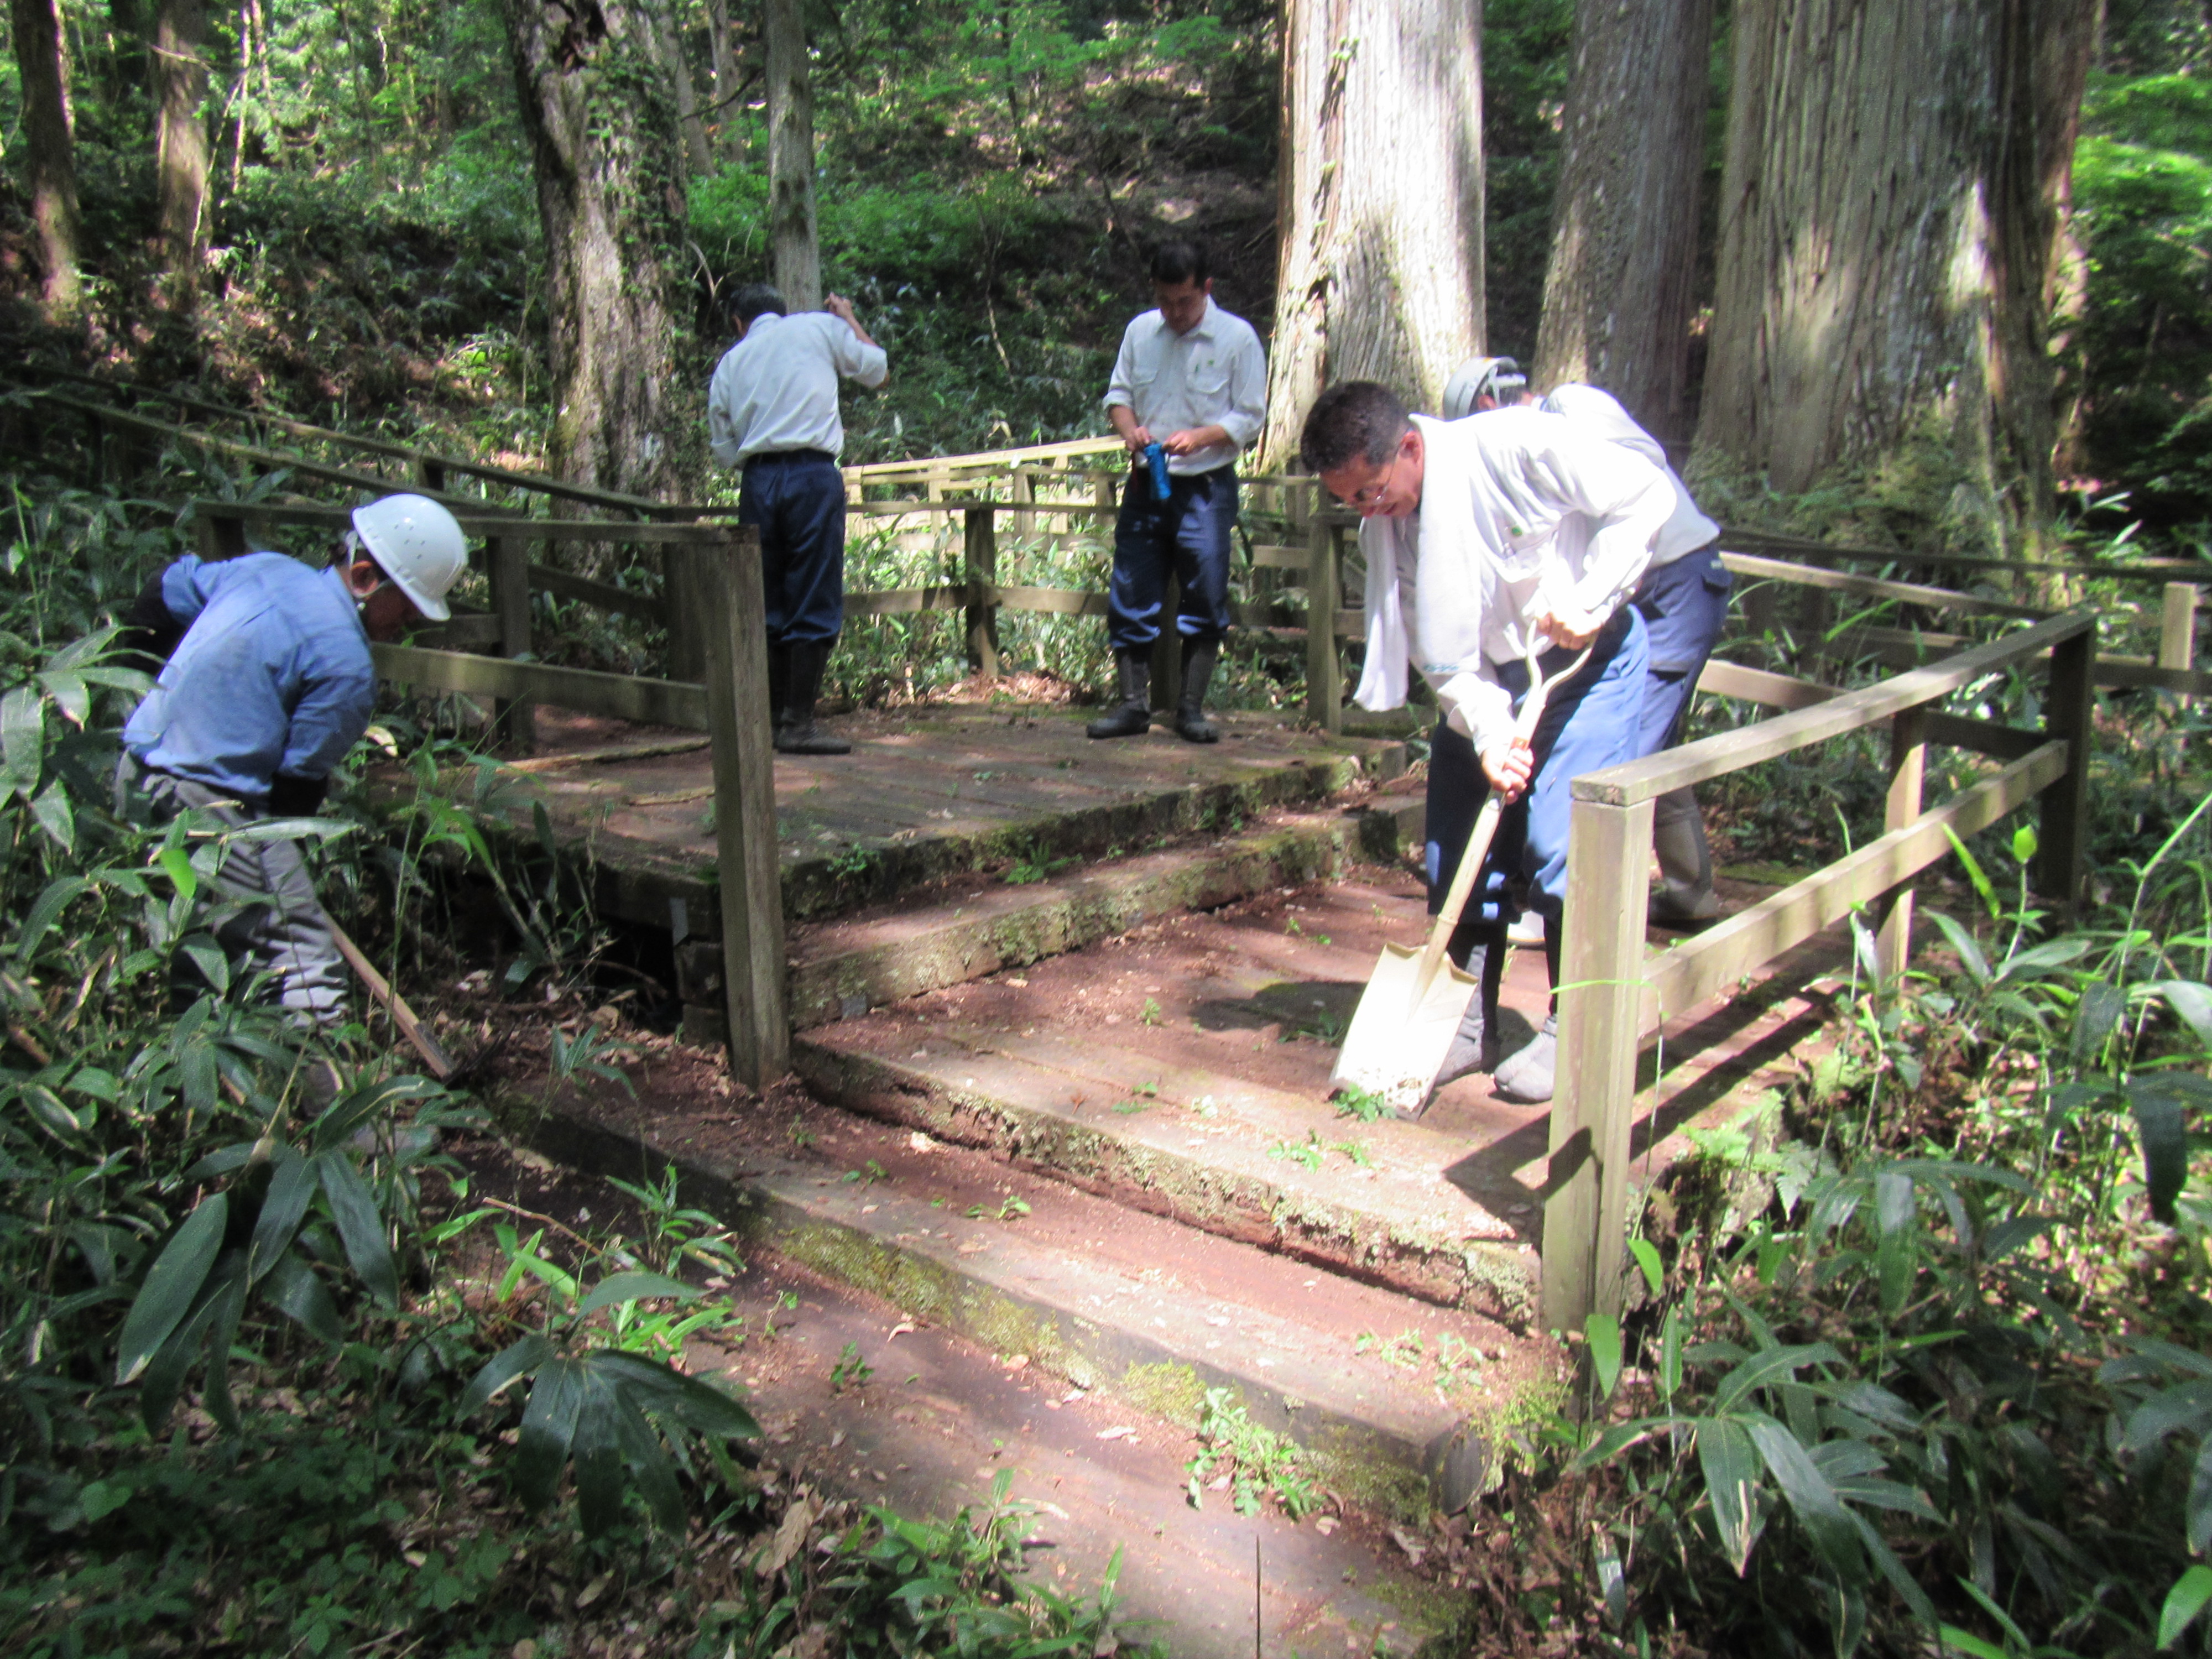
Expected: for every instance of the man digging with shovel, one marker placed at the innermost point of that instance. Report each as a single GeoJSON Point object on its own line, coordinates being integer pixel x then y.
{"type": "Point", "coordinates": [1502, 542]}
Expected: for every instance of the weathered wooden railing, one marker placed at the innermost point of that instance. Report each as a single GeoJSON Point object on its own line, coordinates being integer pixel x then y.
{"type": "Point", "coordinates": [713, 577]}
{"type": "Point", "coordinates": [1613, 993]}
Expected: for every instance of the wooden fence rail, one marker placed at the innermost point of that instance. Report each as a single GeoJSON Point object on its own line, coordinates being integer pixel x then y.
{"type": "Point", "coordinates": [1613, 994]}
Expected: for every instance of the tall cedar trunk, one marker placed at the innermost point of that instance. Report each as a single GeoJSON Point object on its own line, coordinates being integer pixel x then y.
{"type": "Point", "coordinates": [1890, 248]}
{"type": "Point", "coordinates": [1618, 291]}
{"type": "Point", "coordinates": [792, 247]}
{"type": "Point", "coordinates": [181, 150]}
{"type": "Point", "coordinates": [724, 60]}
{"type": "Point", "coordinates": [1381, 214]}
{"type": "Point", "coordinates": [50, 169]}
{"type": "Point", "coordinates": [670, 48]}
{"type": "Point", "coordinates": [610, 197]}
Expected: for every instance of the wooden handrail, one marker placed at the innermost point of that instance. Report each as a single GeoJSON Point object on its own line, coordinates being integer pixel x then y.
{"type": "Point", "coordinates": [1724, 752]}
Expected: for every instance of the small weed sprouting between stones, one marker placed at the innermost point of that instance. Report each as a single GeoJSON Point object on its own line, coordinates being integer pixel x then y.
{"type": "Point", "coordinates": [851, 1372]}
{"type": "Point", "coordinates": [1035, 863]}
{"type": "Point", "coordinates": [1149, 1013]}
{"type": "Point", "coordinates": [1367, 1106]}
{"type": "Point", "coordinates": [1251, 1463]}
{"type": "Point", "coordinates": [1322, 1025]}
{"type": "Point", "coordinates": [868, 1175]}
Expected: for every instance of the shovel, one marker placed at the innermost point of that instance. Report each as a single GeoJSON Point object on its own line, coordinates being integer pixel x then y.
{"type": "Point", "coordinates": [1415, 999]}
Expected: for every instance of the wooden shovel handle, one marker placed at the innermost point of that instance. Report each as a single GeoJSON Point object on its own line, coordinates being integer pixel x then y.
{"type": "Point", "coordinates": [442, 1067]}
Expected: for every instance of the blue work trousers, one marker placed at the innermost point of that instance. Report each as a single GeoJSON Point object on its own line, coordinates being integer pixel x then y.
{"type": "Point", "coordinates": [1683, 605]}
{"type": "Point", "coordinates": [796, 499]}
{"type": "Point", "coordinates": [1185, 535]}
{"type": "Point", "coordinates": [1589, 724]}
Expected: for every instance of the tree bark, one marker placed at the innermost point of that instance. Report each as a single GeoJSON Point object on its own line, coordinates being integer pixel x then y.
{"type": "Point", "coordinates": [1891, 233]}
{"type": "Point", "coordinates": [670, 49]}
{"type": "Point", "coordinates": [610, 197]}
{"type": "Point", "coordinates": [724, 60]}
{"type": "Point", "coordinates": [1381, 202]}
{"type": "Point", "coordinates": [1617, 293]}
{"type": "Point", "coordinates": [49, 146]}
{"type": "Point", "coordinates": [181, 150]}
{"type": "Point", "coordinates": [794, 249]}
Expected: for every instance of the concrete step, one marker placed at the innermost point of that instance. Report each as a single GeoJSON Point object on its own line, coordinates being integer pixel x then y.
{"type": "Point", "coordinates": [1399, 1403]}
{"type": "Point", "coordinates": [1183, 1070]}
{"type": "Point", "coordinates": [941, 1419]}
{"type": "Point", "coordinates": [952, 932]}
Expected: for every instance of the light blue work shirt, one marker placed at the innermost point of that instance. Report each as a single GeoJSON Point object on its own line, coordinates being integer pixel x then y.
{"type": "Point", "coordinates": [273, 676]}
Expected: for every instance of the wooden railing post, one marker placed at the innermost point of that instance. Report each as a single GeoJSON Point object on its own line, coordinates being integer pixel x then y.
{"type": "Point", "coordinates": [979, 568]}
{"type": "Point", "coordinates": [2068, 705]}
{"type": "Point", "coordinates": [686, 581]}
{"type": "Point", "coordinates": [507, 563]}
{"type": "Point", "coordinates": [430, 472]}
{"type": "Point", "coordinates": [1324, 671]}
{"type": "Point", "coordinates": [750, 884]}
{"type": "Point", "coordinates": [1167, 649]}
{"type": "Point", "coordinates": [1908, 771]}
{"type": "Point", "coordinates": [1600, 992]}
{"type": "Point", "coordinates": [2176, 627]}
{"type": "Point", "coordinates": [221, 532]}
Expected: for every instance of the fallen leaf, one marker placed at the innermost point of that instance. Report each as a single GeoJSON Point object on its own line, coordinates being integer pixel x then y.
{"type": "Point", "coordinates": [789, 1537]}
{"type": "Point", "coordinates": [1326, 1525]}
{"type": "Point", "coordinates": [1018, 1362]}
{"type": "Point", "coordinates": [1122, 1432]}
{"type": "Point", "coordinates": [920, 1142]}
{"type": "Point", "coordinates": [904, 1327]}
{"type": "Point", "coordinates": [1053, 1509]}
{"type": "Point", "coordinates": [973, 1247]}
{"type": "Point", "coordinates": [593, 1591]}
{"type": "Point", "coordinates": [1415, 1550]}
{"type": "Point", "coordinates": [837, 1440]}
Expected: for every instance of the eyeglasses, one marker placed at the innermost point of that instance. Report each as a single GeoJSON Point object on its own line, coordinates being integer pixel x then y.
{"type": "Point", "coordinates": [1361, 499]}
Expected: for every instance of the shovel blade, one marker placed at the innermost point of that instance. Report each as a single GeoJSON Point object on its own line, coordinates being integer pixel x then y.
{"type": "Point", "coordinates": [1396, 1041]}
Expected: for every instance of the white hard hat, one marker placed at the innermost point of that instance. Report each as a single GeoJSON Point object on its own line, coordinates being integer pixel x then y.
{"type": "Point", "coordinates": [416, 542]}
{"type": "Point", "coordinates": [1481, 377]}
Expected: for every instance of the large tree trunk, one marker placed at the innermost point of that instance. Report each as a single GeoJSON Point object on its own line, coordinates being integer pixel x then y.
{"type": "Point", "coordinates": [793, 247]}
{"type": "Point", "coordinates": [181, 150]}
{"type": "Point", "coordinates": [670, 49]}
{"type": "Point", "coordinates": [724, 61]}
{"type": "Point", "coordinates": [1617, 292]}
{"type": "Point", "coordinates": [1381, 202]}
{"type": "Point", "coordinates": [49, 146]}
{"type": "Point", "coordinates": [610, 197]}
{"type": "Point", "coordinates": [1890, 240]}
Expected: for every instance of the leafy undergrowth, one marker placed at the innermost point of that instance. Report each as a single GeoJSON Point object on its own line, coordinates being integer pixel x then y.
{"type": "Point", "coordinates": [1919, 1362]}
{"type": "Point", "coordinates": [272, 1380]}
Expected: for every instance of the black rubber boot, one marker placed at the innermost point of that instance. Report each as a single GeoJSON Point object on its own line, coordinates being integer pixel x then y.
{"type": "Point", "coordinates": [1477, 948]}
{"type": "Point", "coordinates": [1135, 716]}
{"type": "Point", "coordinates": [795, 731]}
{"type": "Point", "coordinates": [779, 680]}
{"type": "Point", "coordinates": [1191, 724]}
{"type": "Point", "coordinates": [1684, 896]}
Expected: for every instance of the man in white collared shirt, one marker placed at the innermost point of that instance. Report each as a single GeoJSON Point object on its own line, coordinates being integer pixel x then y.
{"type": "Point", "coordinates": [772, 410]}
{"type": "Point", "coordinates": [1193, 379]}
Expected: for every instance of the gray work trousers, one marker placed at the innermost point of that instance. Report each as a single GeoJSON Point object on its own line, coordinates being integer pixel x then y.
{"type": "Point", "coordinates": [283, 927]}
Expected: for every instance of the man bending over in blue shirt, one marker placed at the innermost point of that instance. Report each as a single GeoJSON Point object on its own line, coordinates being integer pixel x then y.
{"type": "Point", "coordinates": [268, 683]}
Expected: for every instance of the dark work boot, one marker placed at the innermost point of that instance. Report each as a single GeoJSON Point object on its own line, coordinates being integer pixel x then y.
{"type": "Point", "coordinates": [1684, 896]}
{"type": "Point", "coordinates": [1477, 948]}
{"type": "Point", "coordinates": [1133, 718]}
{"type": "Point", "coordinates": [779, 680]}
{"type": "Point", "coordinates": [1190, 722]}
{"type": "Point", "coordinates": [795, 731]}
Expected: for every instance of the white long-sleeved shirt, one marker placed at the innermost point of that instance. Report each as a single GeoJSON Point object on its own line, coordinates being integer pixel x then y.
{"type": "Point", "coordinates": [1687, 529]}
{"type": "Point", "coordinates": [776, 389]}
{"type": "Point", "coordinates": [1215, 375]}
{"type": "Point", "coordinates": [1521, 511]}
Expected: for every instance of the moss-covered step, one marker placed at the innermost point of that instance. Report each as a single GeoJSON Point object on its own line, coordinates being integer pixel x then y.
{"type": "Point", "coordinates": [1398, 1404]}
{"type": "Point", "coordinates": [843, 969]}
{"type": "Point", "coordinates": [924, 795]}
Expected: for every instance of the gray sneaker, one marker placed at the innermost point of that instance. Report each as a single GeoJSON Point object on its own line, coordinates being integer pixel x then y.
{"type": "Point", "coordinates": [1527, 1077]}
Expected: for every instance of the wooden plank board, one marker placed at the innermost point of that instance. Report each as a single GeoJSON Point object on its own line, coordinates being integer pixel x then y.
{"type": "Point", "coordinates": [657, 702]}
{"type": "Point", "coordinates": [1729, 679]}
{"type": "Point", "coordinates": [605, 595]}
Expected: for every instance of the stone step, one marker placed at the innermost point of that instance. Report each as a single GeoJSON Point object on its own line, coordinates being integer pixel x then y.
{"type": "Point", "coordinates": [1181, 1070]}
{"type": "Point", "coordinates": [953, 933]}
{"type": "Point", "coordinates": [1401, 1405]}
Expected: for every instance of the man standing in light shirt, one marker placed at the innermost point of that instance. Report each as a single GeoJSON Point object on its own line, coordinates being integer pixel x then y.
{"type": "Point", "coordinates": [772, 410]}
{"type": "Point", "coordinates": [1193, 379]}
{"type": "Point", "coordinates": [1683, 600]}
{"type": "Point", "coordinates": [1487, 539]}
